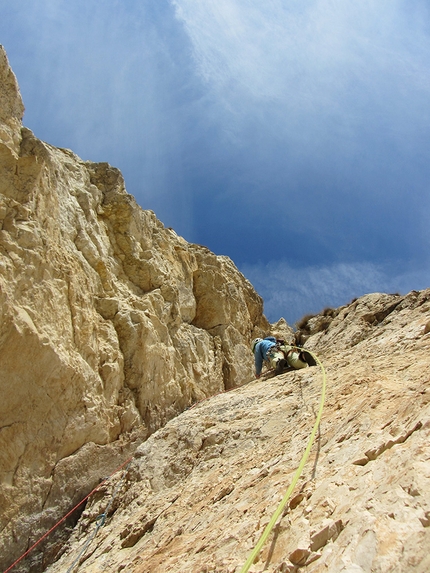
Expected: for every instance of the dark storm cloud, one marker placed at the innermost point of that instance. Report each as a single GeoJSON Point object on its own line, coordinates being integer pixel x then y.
{"type": "Point", "coordinates": [291, 136]}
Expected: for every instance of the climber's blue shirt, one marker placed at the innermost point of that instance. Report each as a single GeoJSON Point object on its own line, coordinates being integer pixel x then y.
{"type": "Point", "coordinates": [260, 352]}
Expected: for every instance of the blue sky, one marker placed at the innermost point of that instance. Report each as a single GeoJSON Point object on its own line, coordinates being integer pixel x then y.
{"type": "Point", "coordinates": [292, 136]}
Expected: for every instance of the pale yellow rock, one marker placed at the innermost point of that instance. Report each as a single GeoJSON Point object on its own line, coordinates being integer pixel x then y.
{"type": "Point", "coordinates": [200, 491]}
{"type": "Point", "coordinates": [110, 325]}
{"type": "Point", "coordinates": [11, 112]}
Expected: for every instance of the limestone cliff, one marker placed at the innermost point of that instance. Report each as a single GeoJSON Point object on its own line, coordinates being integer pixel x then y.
{"type": "Point", "coordinates": [110, 325]}
{"type": "Point", "coordinates": [199, 492]}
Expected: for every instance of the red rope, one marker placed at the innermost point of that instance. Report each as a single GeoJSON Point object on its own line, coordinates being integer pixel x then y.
{"type": "Point", "coordinates": [66, 516]}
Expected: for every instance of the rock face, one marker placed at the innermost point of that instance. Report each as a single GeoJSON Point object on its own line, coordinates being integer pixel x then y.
{"type": "Point", "coordinates": [199, 492]}
{"type": "Point", "coordinates": [110, 325]}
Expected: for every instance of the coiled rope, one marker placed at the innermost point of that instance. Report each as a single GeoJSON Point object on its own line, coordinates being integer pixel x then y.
{"type": "Point", "coordinates": [253, 555]}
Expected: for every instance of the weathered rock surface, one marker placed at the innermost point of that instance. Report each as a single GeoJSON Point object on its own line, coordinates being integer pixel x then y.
{"type": "Point", "coordinates": [200, 491]}
{"type": "Point", "coordinates": [110, 325]}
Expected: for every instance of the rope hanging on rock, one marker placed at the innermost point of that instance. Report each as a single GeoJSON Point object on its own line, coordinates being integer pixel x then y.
{"type": "Point", "coordinates": [100, 521]}
{"type": "Point", "coordinates": [65, 517]}
{"type": "Point", "coordinates": [254, 554]}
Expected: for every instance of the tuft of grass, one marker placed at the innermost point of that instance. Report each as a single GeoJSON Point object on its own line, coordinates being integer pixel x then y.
{"type": "Point", "coordinates": [328, 311]}
{"type": "Point", "coordinates": [302, 324]}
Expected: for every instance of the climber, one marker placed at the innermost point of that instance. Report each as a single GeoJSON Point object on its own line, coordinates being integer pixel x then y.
{"type": "Point", "coordinates": [277, 354]}
{"type": "Point", "coordinates": [265, 350]}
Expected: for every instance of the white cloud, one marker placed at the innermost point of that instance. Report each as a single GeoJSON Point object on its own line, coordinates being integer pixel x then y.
{"type": "Point", "coordinates": [316, 76]}
{"type": "Point", "coordinates": [293, 292]}
{"type": "Point", "coordinates": [324, 105]}
{"type": "Point", "coordinates": [307, 52]}
{"type": "Point", "coordinates": [302, 123]}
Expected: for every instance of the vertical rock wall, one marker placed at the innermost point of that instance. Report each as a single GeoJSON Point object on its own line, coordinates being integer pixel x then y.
{"type": "Point", "coordinates": [110, 325]}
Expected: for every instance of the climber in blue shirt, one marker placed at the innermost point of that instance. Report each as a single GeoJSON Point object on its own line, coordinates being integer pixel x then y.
{"type": "Point", "coordinates": [278, 355]}
{"type": "Point", "coordinates": [260, 348]}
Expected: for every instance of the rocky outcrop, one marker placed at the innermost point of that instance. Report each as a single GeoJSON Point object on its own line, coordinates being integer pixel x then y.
{"type": "Point", "coordinates": [115, 333]}
{"type": "Point", "coordinates": [200, 491]}
{"type": "Point", "coordinates": [11, 109]}
{"type": "Point", "coordinates": [110, 325]}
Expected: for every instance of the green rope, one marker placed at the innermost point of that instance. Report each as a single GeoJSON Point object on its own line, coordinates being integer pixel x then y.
{"type": "Point", "coordinates": [299, 470]}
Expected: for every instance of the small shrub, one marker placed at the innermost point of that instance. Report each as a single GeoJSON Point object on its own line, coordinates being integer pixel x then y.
{"type": "Point", "coordinates": [302, 324]}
